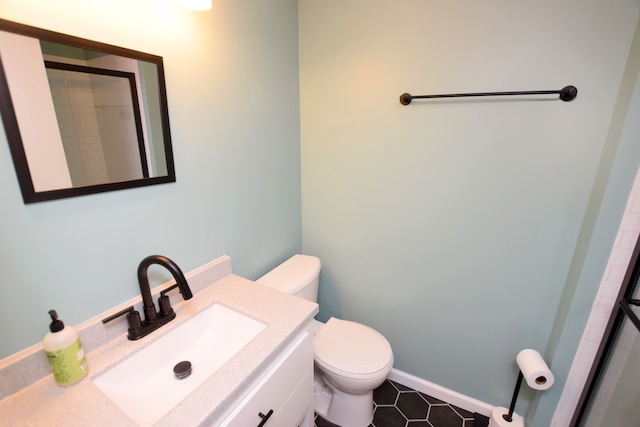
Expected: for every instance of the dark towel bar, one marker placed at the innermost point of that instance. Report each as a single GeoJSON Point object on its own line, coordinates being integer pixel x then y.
{"type": "Point", "coordinates": [567, 93]}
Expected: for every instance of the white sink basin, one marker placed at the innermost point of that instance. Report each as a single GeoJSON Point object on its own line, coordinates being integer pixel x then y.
{"type": "Point", "coordinates": [144, 386]}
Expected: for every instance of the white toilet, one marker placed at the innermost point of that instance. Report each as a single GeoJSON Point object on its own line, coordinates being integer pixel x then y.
{"type": "Point", "coordinates": [351, 359]}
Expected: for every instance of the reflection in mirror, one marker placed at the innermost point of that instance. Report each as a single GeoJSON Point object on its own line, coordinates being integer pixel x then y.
{"type": "Point", "coordinates": [81, 117]}
{"type": "Point", "coordinates": [99, 120]}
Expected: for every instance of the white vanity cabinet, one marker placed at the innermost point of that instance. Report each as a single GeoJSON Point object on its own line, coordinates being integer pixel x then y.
{"type": "Point", "coordinates": [283, 396]}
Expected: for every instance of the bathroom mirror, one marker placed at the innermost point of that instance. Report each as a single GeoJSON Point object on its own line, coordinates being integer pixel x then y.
{"type": "Point", "coordinates": [81, 117]}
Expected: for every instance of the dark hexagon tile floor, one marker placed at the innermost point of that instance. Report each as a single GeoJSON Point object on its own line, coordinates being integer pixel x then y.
{"type": "Point", "coordinates": [399, 406]}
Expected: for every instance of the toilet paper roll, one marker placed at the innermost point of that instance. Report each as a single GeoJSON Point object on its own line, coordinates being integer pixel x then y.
{"type": "Point", "coordinates": [497, 418]}
{"type": "Point", "coordinates": [534, 370]}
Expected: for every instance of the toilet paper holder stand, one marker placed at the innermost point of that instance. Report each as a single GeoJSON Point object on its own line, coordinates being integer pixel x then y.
{"type": "Point", "coordinates": [509, 416]}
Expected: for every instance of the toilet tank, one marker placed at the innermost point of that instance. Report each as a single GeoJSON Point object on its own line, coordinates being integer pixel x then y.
{"type": "Point", "coordinates": [299, 276]}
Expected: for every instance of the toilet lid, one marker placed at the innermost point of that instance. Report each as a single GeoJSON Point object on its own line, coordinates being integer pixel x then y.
{"type": "Point", "coordinates": [352, 348]}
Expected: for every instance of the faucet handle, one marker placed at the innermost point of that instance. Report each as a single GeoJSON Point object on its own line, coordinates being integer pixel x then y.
{"type": "Point", "coordinates": [118, 314]}
{"type": "Point", "coordinates": [133, 319]}
{"type": "Point", "coordinates": [164, 303]}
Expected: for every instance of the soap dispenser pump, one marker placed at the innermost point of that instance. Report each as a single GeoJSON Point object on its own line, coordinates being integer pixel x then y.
{"type": "Point", "coordinates": [64, 351]}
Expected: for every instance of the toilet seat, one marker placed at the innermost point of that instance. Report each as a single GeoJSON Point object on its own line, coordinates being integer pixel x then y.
{"type": "Point", "coordinates": [352, 350]}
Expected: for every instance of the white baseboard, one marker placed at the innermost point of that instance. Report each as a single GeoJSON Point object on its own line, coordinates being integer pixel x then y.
{"type": "Point", "coordinates": [465, 402]}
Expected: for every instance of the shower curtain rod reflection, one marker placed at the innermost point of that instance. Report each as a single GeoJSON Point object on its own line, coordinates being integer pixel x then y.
{"type": "Point", "coordinates": [567, 93]}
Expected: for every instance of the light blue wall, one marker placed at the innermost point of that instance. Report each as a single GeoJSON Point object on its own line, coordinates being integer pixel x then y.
{"type": "Point", "coordinates": [232, 83]}
{"type": "Point", "coordinates": [460, 230]}
{"type": "Point", "coordinates": [615, 175]}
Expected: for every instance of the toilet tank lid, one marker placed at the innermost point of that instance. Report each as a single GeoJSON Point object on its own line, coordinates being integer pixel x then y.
{"type": "Point", "coordinates": [292, 275]}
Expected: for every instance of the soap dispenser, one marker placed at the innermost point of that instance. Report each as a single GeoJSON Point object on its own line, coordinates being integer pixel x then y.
{"type": "Point", "coordinates": [64, 351]}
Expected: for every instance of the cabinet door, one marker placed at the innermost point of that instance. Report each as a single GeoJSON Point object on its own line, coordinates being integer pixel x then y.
{"type": "Point", "coordinates": [282, 396]}
{"type": "Point", "coordinates": [294, 409]}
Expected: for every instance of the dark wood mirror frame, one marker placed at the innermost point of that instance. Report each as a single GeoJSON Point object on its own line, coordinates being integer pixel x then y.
{"type": "Point", "coordinates": [10, 121]}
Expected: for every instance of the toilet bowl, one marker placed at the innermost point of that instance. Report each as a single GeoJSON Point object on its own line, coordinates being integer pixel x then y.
{"type": "Point", "coordinates": [351, 359]}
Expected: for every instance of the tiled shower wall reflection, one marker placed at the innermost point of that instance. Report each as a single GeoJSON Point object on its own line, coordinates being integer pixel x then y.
{"type": "Point", "coordinates": [74, 104]}
{"type": "Point", "coordinates": [601, 309]}
{"type": "Point", "coordinates": [97, 118]}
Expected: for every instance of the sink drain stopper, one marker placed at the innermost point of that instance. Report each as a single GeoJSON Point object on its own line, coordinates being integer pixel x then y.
{"type": "Point", "coordinates": [182, 369]}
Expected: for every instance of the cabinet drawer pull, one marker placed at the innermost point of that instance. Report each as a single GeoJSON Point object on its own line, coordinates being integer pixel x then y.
{"type": "Point", "coordinates": [264, 417]}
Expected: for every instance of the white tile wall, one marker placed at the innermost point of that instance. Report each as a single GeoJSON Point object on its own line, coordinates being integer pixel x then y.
{"type": "Point", "coordinates": [96, 122]}
{"type": "Point", "coordinates": [601, 309]}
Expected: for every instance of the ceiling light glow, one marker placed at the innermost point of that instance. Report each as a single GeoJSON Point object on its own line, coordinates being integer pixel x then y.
{"type": "Point", "coordinates": [195, 4]}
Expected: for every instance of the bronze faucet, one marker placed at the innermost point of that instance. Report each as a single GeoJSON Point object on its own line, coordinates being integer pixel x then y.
{"type": "Point", "coordinates": [152, 319]}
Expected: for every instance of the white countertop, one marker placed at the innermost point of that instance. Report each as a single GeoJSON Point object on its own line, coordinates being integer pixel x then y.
{"type": "Point", "coordinates": [44, 403]}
